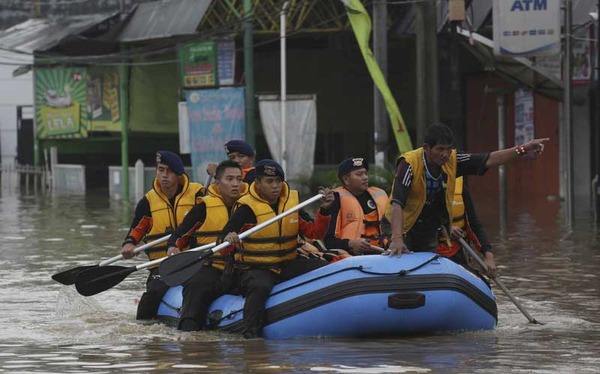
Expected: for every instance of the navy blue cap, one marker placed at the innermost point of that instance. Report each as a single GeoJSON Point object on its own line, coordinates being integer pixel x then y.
{"type": "Point", "coordinates": [239, 146]}
{"type": "Point", "coordinates": [351, 164]}
{"type": "Point", "coordinates": [269, 168]}
{"type": "Point", "coordinates": [172, 160]}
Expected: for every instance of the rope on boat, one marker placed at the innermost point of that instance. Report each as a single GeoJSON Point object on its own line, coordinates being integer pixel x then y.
{"type": "Point", "coordinates": [358, 268]}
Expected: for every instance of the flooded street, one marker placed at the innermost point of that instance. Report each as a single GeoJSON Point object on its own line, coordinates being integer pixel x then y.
{"type": "Point", "coordinates": [48, 327]}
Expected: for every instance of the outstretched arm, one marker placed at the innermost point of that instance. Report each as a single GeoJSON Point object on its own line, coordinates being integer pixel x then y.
{"type": "Point", "coordinates": [530, 150]}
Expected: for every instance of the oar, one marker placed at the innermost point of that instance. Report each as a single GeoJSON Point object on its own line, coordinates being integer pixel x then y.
{"type": "Point", "coordinates": [67, 277]}
{"type": "Point", "coordinates": [181, 267]}
{"type": "Point", "coordinates": [468, 248]}
{"type": "Point", "coordinates": [93, 281]}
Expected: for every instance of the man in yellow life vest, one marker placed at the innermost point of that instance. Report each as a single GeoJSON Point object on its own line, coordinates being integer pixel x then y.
{"type": "Point", "coordinates": [157, 214]}
{"type": "Point", "coordinates": [425, 181]}
{"type": "Point", "coordinates": [465, 224]}
{"type": "Point", "coordinates": [357, 211]}
{"type": "Point", "coordinates": [269, 256]}
{"type": "Point", "coordinates": [205, 222]}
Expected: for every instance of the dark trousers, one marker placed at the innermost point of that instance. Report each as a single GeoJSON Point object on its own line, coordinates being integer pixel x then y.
{"type": "Point", "coordinates": [422, 240]}
{"type": "Point", "coordinates": [198, 293]}
{"type": "Point", "coordinates": [256, 285]}
{"type": "Point", "coordinates": [150, 300]}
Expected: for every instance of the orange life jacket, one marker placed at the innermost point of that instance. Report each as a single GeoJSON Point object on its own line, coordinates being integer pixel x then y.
{"type": "Point", "coordinates": [352, 223]}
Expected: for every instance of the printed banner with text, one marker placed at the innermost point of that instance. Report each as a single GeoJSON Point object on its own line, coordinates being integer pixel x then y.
{"type": "Point", "coordinates": [215, 116]}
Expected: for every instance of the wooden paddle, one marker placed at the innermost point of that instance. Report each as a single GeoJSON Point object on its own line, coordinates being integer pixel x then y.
{"type": "Point", "coordinates": [93, 281]}
{"type": "Point", "coordinates": [67, 277]}
{"type": "Point", "coordinates": [181, 267]}
{"type": "Point", "coordinates": [473, 254]}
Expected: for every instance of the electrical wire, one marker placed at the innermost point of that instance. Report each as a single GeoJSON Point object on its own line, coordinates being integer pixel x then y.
{"type": "Point", "coordinates": [97, 59]}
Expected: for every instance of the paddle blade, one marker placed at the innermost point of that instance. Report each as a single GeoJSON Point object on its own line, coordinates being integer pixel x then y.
{"type": "Point", "coordinates": [94, 281]}
{"type": "Point", "coordinates": [68, 277]}
{"type": "Point", "coordinates": [175, 270]}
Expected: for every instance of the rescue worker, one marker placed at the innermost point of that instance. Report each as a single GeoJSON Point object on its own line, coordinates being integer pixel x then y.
{"type": "Point", "coordinates": [465, 224]}
{"type": "Point", "coordinates": [269, 256]}
{"type": "Point", "coordinates": [357, 212]}
{"type": "Point", "coordinates": [157, 214]}
{"type": "Point", "coordinates": [425, 182]}
{"type": "Point", "coordinates": [242, 153]}
{"type": "Point", "coordinates": [205, 222]}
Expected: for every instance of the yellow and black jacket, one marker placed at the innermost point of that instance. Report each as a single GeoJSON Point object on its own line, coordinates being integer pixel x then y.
{"type": "Point", "coordinates": [417, 195]}
{"type": "Point", "coordinates": [157, 216]}
{"type": "Point", "coordinates": [217, 216]}
{"type": "Point", "coordinates": [276, 243]}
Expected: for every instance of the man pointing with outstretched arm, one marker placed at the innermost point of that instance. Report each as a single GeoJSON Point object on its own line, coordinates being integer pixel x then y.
{"type": "Point", "coordinates": [424, 186]}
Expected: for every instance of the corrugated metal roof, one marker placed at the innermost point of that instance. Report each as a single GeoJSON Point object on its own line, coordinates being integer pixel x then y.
{"type": "Point", "coordinates": [38, 34]}
{"type": "Point", "coordinates": [165, 18]}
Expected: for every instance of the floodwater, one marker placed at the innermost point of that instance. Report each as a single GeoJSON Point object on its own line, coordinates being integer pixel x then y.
{"type": "Point", "coordinates": [48, 327]}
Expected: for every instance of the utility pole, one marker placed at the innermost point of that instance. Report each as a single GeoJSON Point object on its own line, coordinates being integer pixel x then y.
{"type": "Point", "coordinates": [427, 68]}
{"type": "Point", "coordinates": [283, 77]}
{"type": "Point", "coordinates": [597, 112]}
{"type": "Point", "coordinates": [568, 114]}
{"type": "Point", "coordinates": [35, 9]}
{"type": "Point", "coordinates": [502, 185]}
{"type": "Point", "coordinates": [249, 70]}
{"type": "Point", "coordinates": [124, 114]}
{"type": "Point", "coordinates": [380, 117]}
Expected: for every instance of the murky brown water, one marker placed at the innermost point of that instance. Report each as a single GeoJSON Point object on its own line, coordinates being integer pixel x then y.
{"type": "Point", "coordinates": [47, 327]}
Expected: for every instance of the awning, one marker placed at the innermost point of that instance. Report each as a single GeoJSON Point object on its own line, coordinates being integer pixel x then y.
{"type": "Point", "coordinates": [164, 19]}
{"type": "Point", "coordinates": [517, 69]}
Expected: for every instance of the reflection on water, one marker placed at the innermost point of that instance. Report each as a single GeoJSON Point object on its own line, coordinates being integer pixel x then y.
{"type": "Point", "coordinates": [47, 327]}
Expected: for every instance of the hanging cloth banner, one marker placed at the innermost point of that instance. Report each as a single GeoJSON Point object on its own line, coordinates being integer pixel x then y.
{"type": "Point", "coordinates": [301, 111]}
{"type": "Point", "coordinates": [361, 25]}
{"type": "Point", "coordinates": [215, 116]}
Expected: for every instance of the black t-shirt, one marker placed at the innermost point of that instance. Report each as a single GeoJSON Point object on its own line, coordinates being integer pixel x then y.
{"type": "Point", "coordinates": [433, 214]}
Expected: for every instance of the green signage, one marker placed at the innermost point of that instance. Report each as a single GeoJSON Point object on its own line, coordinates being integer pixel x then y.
{"type": "Point", "coordinates": [60, 97]}
{"type": "Point", "coordinates": [198, 64]}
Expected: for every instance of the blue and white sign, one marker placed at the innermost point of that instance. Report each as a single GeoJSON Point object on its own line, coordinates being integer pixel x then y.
{"type": "Point", "coordinates": [215, 116]}
{"type": "Point", "coordinates": [526, 27]}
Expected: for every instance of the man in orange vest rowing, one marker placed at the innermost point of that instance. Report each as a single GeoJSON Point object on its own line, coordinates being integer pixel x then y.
{"type": "Point", "coordinates": [357, 211]}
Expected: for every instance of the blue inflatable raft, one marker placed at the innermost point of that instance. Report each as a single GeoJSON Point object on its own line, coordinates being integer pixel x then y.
{"type": "Point", "coordinates": [364, 296]}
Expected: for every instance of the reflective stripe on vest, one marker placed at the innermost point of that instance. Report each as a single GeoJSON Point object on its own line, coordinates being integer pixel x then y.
{"type": "Point", "coordinates": [277, 242]}
{"type": "Point", "coordinates": [352, 223]}
{"type": "Point", "coordinates": [417, 193]}
{"type": "Point", "coordinates": [165, 217]}
{"type": "Point", "coordinates": [217, 216]}
{"type": "Point", "coordinates": [458, 205]}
